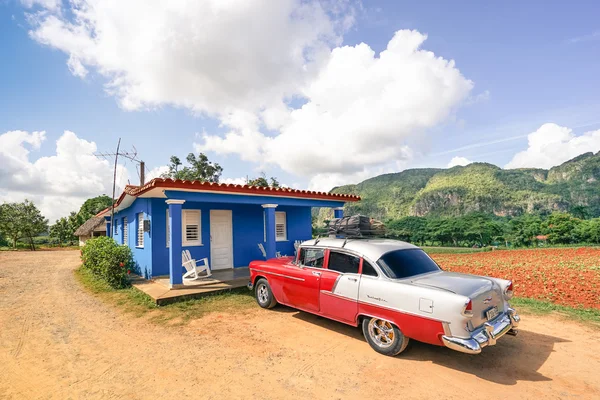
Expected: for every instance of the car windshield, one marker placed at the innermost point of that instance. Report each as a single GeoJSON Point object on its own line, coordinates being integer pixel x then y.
{"type": "Point", "coordinates": [400, 264]}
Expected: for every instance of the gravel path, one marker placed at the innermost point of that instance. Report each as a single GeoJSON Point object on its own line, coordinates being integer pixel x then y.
{"type": "Point", "coordinates": [57, 342]}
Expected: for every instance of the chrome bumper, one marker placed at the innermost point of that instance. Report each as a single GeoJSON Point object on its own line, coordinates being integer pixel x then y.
{"type": "Point", "coordinates": [485, 335]}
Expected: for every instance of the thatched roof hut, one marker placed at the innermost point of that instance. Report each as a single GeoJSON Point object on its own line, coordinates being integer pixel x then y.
{"type": "Point", "coordinates": [95, 226]}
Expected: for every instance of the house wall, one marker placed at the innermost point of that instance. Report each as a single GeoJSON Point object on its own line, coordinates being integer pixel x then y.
{"type": "Point", "coordinates": [141, 255]}
{"type": "Point", "coordinates": [83, 239]}
{"type": "Point", "coordinates": [248, 231]}
{"type": "Point", "coordinates": [247, 219]}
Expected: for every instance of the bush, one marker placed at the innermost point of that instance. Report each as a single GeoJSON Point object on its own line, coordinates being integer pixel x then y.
{"type": "Point", "coordinates": [108, 260]}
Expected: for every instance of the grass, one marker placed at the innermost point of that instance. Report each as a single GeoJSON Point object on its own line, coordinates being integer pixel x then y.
{"type": "Point", "coordinates": [138, 304]}
{"type": "Point", "coordinates": [590, 316]}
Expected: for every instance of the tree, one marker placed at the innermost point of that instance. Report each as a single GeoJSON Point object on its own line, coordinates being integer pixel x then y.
{"type": "Point", "coordinates": [22, 220]}
{"type": "Point", "coordinates": [93, 206]}
{"type": "Point", "coordinates": [75, 220]}
{"type": "Point", "coordinates": [522, 231]}
{"type": "Point", "coordinates": [9, 222]}
{"type": "Point", "coordinates": [62, 231]}
{"type": "Point", "coordinates": [561, 228]}
{"type": "Point", "coordinates": [263, 182]}
{"type": "Point", "coordinates": [3, 241]}
{"type": "Point", "coordinates": [481, 228]}
{"type": "Point", "coordinates": [588, 231]}
{"type": "Point", "coordinates": [32, 221]}
{"type": "Point", "coordinates": [199, 169]}
{"type": "Point", "coordinates": [409, 229]}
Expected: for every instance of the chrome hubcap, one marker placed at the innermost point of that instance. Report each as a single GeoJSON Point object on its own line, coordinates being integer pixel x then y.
{"type": "Point", "coordinates": [381, 332]}
{"type": "Point", "coordinates": [262, 293]}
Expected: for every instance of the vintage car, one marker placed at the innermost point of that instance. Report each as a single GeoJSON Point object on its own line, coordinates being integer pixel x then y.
{"type": "Point", "coordinates": [392, 289]}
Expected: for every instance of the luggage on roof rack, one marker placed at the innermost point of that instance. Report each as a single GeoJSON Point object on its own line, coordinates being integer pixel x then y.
{"type": "Point", "coordinates": [356, 226]}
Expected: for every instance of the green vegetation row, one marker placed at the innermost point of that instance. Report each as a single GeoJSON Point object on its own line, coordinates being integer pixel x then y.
{"type": "Point", "coordinates": [480, 230]}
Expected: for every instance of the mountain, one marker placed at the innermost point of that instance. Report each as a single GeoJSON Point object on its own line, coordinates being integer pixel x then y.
{"type": "Point", "coordinates": [479, 187]}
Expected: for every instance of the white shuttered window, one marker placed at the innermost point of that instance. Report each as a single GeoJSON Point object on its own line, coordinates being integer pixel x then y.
{"type": "Point", "coordinates": [168, 227]}
{"type": "Point", "coordinates": [280, 226]}
{"type": "Point", "coordinates": [125, 231]}
{"type": "Point", "coordinates": [140, 230]}
{"type": "Point", "coordinates": [191, 228]}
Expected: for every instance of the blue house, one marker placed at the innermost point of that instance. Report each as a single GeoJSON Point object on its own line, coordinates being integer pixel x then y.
{"type": "Point", "coordinates": [222, 222]}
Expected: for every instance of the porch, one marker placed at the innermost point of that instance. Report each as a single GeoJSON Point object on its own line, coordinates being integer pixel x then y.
{"type": "Point", "coordinates": [161, 292]}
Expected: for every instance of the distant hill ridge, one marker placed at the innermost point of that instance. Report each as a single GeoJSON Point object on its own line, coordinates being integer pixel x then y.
{"type": "Point", "coordinates": [480, 187]}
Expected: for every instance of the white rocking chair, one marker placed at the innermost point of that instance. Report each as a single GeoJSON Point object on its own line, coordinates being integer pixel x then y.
{"type": "Point", "coordinates": [192, 267]}
{"type": "Point", "coordinates": [264, 252]}
{"type": "Point", "coordinates": [296, 246]}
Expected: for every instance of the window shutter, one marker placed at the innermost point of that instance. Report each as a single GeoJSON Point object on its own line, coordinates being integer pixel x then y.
{"type": "Point", "coordinates": [140, 230]}
{"type": "Point", "coordinates": [280, 226]}
{"type": "Point", "coordinates": [168, 227]}
{"type": "Point", "coordinates": [125, 231]}
{"type": "Point", "coordinates": [191, 228]}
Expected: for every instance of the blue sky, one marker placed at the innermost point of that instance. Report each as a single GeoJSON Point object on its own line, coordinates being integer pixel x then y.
{"type": "Point", "coordinates": [528, 64]}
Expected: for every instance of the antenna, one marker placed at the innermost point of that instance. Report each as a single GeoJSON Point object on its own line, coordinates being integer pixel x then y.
{"type": "Point", "coordinates": [130, 155]}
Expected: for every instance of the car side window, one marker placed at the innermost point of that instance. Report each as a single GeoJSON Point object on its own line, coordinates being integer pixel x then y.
{"type": "Point", "coordinates": [368, 269]}
{"type": "Point", "coordinates": [344, 263]}
{"type": "Point", "coordinates": [312, 257]}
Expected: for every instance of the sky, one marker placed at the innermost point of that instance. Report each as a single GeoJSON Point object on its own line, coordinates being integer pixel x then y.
{"type": "Point", "coordinates": [315, 93]}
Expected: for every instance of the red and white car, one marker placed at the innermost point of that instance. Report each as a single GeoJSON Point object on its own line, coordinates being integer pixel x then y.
{"type": "Point", "coordinates": [392, 289]}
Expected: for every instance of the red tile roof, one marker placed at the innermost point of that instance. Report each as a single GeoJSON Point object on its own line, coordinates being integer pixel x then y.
{"type": "Point", "coordinates": [177, 184]}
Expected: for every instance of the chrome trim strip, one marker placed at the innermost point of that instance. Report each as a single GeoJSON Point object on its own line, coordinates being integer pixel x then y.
{"type": "Point", "coordinates": [276, 274]}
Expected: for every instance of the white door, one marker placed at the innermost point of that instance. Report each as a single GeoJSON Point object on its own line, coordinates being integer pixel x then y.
{"type": "Point", "coordinates": [221, 239]}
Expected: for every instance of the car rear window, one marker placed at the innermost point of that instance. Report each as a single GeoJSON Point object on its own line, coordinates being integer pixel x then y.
{"type": "Point", "coordinates": [400, 264]}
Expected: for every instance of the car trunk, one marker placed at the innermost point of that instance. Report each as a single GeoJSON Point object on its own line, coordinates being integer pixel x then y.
{"type": "Point", "coordinates": [483, 292]}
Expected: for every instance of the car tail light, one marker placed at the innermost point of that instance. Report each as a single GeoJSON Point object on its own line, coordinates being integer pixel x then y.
{"type": "Point", "coordinates": [468, 310]}
{"type": "Point", "coordinates": [508, 292]}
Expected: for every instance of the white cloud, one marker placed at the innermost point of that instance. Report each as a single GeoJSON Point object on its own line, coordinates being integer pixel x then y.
{"type": "Point", "coordinates": [360, 110]}
{"type": "Point", "coordinates": [156, 172]}
{"type": "Point", "coordinates": [59, 183]}
{"type": "Point", "coordinates": [244, 61]}
{"type": "Point", "coordinates": [211, 56]}
{"type": "Point", "coordinates": [552, 145]}
{"type": "Point", "coordinates": [479, 98]}
{"type": "Point", "coordinates": [459, 161]}
{"type": "Point", "coordinates": [47, 4]}
{"type": "Point", "coordinates": [234, 181]}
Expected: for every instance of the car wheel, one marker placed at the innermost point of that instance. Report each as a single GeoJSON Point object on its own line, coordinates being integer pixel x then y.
{"type": "Point", "coordinates": [264, 294]}
{"type": "Point", "coordinates": [384, 337]}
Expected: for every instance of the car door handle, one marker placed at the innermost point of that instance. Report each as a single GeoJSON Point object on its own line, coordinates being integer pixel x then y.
{"type": "Point", "coordinates": [316, 273]}
{"type": "Point", "coordinates": [352, 279]}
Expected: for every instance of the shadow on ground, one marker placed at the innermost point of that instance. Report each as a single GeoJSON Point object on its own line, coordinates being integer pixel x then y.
{"type": "Point", "coordinates": [512, 359]}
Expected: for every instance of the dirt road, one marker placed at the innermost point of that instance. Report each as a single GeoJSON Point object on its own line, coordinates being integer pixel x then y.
{"type": "Point", "coordinates": [57, 341]}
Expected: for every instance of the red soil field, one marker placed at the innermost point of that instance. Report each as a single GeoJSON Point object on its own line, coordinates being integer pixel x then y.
{"type": "Point", "coordinates": [569, 276]}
